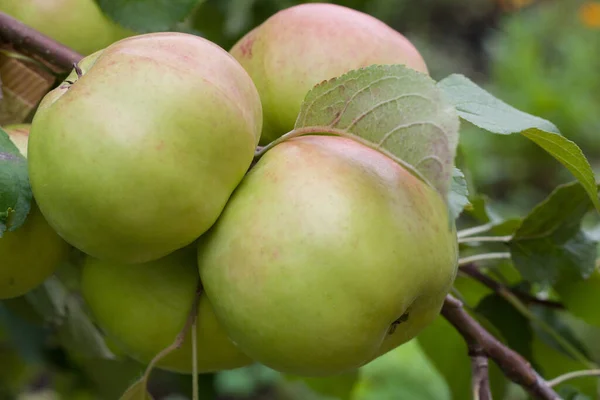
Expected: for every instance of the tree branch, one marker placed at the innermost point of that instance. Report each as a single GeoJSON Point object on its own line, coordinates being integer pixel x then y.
{"type": "Point", "coordinates": [515, 367]}
{"type": "Point", "coordinates": [30, 41]}
{"type": "Point", "coordinates": [472, 271]}
{"type": "Point", "coordinates": [479, 372]}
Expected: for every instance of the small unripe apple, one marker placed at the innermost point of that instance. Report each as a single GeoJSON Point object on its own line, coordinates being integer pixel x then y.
{"type": "Point", "coordinates": [301, 46]}
{"type": "Point", "coordinates": [139, 155]}
{"type": "Point", "coordinates": [78, 24]}
{"type": "Point", "coordinates": [32, 252]}
{"type": "Point", "coordinates": [328, 255]}
{"type": "Point", "coordinates": [143, 307]}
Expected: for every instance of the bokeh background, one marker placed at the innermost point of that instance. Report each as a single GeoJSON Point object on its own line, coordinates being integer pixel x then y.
{"type": "Point", "coordinates": [542, 57]}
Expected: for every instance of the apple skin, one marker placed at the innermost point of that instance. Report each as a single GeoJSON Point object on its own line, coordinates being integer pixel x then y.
{"type": "Point", "coordinates": [138, 157]}
{"type": "Point", "coordinates": [143, 307]}
{"type": "Point", "coordinates": [31, 253]}
{"type": "Point", "coordinates": [303, 45]}
{"type": "Point", "coordinates": [323, 246]}
{"type": "Point", "coordinates": [78, 24]}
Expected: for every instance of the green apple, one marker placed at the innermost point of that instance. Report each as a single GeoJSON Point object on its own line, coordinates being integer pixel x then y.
{"type": "Point", "coordinates": [301, 46]}
{"type": "Point", "coordinates": [327, 255]}
{"type": "Point", "coordinates": [142, 308]}
{"type": "Point", "coordinates": [32, 252]}
{"type": "Point", "coordinates": [79, 24]}
{"type": "Point", "coordinates": [138, 156]}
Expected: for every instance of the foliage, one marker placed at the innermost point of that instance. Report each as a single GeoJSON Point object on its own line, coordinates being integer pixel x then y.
{"type": "Point", "coordinates": [534, 220]}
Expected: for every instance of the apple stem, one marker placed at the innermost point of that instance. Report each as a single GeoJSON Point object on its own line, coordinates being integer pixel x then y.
{"type": "Point", "coordinates": [483, 257]}
{"type": "Point", "coordinates": [485, 239]}
{"type": "Point", "coordinates": [474, 230]}
{"type": "Point", "coordinates": [180, 338]}
{"type": "Point", "coordinates": [514, 366]}
{"type": "Point", "coordinates": [35, 43]}
{"type": "Point", "coordinates": [328, 130]}
{"type": "Point", "coordinates": [195, 390]}
{"type": "Point", "coordinates": [572, 375]}
{"type": "Point", "coordinates": [77, 70]}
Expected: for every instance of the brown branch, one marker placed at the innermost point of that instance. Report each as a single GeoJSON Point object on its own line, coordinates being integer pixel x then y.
{"type": "Point", "coordinates": [30, 41]}
{"type": "Point", "coordinates": [479, 372]}
{"type": "Point", "coordinates": [472, 271]}
{"type": "Point", "coordinates": [515, 367]}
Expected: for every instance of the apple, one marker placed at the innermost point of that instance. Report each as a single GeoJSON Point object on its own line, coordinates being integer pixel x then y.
{"type": "Point", "coordinates": [142, 308]}
{"type": "Point", "coordinates": [328, 254]}
{"type": "Point", "coordinates": [32, 252]}
{"type": "Point", "coordinates": [79, 24]}
{"type": "Point", "coordinates": [137, 157]}
{"type": "Point", "coordinates": [301, 46]}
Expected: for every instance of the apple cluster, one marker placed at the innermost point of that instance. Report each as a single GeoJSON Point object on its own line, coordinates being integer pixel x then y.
{"type": "Point", "coordinates": [318, 258]}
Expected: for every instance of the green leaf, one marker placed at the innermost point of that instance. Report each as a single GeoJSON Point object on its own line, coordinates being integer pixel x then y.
{"type": "Point", "coordinates": [571, 156]}
{"type": "Point", "coordinates": [552, 363]}
{"type": "Point", "coordinates": [148, 15]}
{"type": "Point", "coordinates": [15, 192]}
{"type": "Point", "coordinates": [336, 387]}
{"type": "Point", "coordinates": [245, 381]}
{"type": "Point", "coordinates": [239, 17]}
{"type": "Point", "coordinates": [550, 245]}
{"type": "Point", "coordinates": [402, 373]}
{"type": "Point", "coordinates": [137, 391]}
{"type": "Point", "coordinates": [571, 393]}
{"type": "Point", "coordinates": [458, 197]}
{"type": "Point", "coordinates": [478, 209]}
{"type": "Point", "coordinates": [512, 325]}
{"type": "Point", "coordinates": [64, 308]}
{"type": "Point", "coordinates": [506, 227]}
{"type": "Point", "coordinates": [480, 108]}
{"type": "Point", "coordinates": [556, 320]}
{"type": "Point", "coordinates": [393, 109]}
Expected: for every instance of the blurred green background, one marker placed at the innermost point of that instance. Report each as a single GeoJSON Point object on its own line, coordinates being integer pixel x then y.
{"type": "Point", "coordinates": [542, 57]}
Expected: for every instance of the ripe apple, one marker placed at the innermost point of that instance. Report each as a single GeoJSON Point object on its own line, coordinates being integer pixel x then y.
{"type": "Point", "coordinates": [138, 156]}
{"type": "Point", "coordinates": [301, 46]}
{"type": "Point", "coordinates": [143, 307]}
{"type": "Point", "coordinates": [32, 252]}
{"type": "Point", "coordinates": [328, 255]}
{"type": "Point", "coordinates": [78, 24]}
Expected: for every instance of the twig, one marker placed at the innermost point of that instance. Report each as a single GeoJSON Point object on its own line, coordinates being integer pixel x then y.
{"type": "Point", "coordinates": [192, 316]}
{"type": "Point", "coordinates": [515, 367]}
{"type": "Point", "coordinates": [484, 257]}
{"type": "Point", "coordinates": [472, 271]}
{"type": "Point", "coordinates": [514, 301]}
{"type": "Point", "coordinates": [475, 230]}
{"type": "Point", "coordinates": [502, 239]}
{"type": "Point", "coordinates": [572, 375]}
{"type": "Point", "coordinates": [33, 42]}
{"type": "Point", "coordinates": [480, 372]}
{"type": "Point", "coordinates": [195, 389]}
